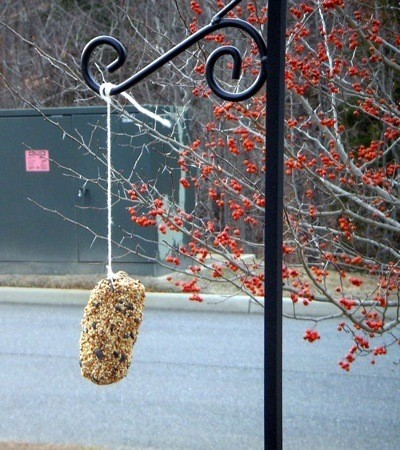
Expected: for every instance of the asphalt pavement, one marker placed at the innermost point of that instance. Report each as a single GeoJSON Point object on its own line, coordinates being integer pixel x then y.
{"type": "Point", "coordinates": [196, 383]}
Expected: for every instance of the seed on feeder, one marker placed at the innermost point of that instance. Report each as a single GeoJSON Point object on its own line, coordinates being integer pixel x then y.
{"type": "Point", "coordinates": [110, 326]}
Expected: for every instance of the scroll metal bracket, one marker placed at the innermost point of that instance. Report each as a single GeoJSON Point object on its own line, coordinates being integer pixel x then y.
{"type": "Point", "coordinates": [218, 22]}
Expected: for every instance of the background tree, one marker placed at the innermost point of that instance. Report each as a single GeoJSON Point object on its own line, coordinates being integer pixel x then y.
{"type": "Point", "coordinates": [343, 162]}
{"type": "Point", "coordinates": [342, 148]}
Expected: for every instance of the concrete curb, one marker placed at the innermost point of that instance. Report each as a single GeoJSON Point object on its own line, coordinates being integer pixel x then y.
{"type": "Point", "coordinates": [154, 300]}
{"type": "Point", "coordinates": [159, 300]}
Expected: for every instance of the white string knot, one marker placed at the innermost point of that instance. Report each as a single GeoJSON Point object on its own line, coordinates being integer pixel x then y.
{"type": "Point", "coordinates": [105, 91]}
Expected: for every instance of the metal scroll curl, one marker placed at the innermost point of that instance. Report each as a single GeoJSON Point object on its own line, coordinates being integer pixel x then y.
{"type": "Point", "coordinates": [217, 23]}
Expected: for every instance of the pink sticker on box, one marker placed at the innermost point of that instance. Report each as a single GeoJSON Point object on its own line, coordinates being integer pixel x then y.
{"type": "Point", "coordinates": [37, 161]}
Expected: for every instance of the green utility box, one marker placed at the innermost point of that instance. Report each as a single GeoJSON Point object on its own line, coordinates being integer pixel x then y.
{"type": "Point", "coordinates": [53, 191]}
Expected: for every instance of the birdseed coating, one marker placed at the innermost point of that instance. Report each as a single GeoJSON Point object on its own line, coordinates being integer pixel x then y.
{"type": "Point", "coordinates": [110, 326]}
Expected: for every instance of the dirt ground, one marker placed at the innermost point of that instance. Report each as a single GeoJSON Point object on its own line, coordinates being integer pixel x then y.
{"type": "Point", "coordinates": [152, 284]}
{"type": "Point", "coordinates": [28, 446]}
{"type": "Point", "coordinates": [161, 284]}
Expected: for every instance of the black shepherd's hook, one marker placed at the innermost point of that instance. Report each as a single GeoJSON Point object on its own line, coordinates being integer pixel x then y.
{"type": "Point", "coordinates": [217, 23]}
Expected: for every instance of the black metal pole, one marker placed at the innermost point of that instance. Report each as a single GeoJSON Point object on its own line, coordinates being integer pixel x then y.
{"type": "Point", "coordinates": [273, 225]}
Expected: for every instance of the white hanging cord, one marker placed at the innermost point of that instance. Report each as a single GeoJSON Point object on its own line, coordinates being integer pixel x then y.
{"type": "Point", "coordinates": [105, 92]}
